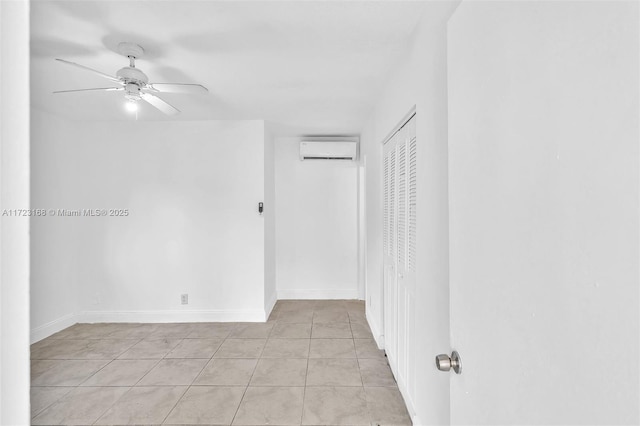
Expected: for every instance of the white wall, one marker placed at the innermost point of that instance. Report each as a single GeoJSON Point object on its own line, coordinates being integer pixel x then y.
{"type": "Point", "coordinates": [14, 231]}
{"type": "Point", "coordinates": [192, 190]}
{"type": "Point", "coordinates": [316, 225]}
{"type": "Point", "coordinates": [54, 249]}
{"type": "Point", "coordinates": [544, 168]}
{"type": "Point", "coordinates": [270, 295]}
{"type": "Point", "coordinates": [420, 80]}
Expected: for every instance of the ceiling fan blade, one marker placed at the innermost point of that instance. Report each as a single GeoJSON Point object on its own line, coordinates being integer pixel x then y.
{"type": "Point", "coordinates": [178, 88]}
{"type": "Point", "coordinates": [159, 103]}
{"type": "Point", "coordinates": [101, 74]}
{"type": "Point", "coordinates": [97, 89]}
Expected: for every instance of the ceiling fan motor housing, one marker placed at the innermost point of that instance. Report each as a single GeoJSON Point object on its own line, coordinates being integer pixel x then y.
{"type": "Point", "coordinates": [132, 75]}
{"type": "Point", "coordinates": [132, 91]}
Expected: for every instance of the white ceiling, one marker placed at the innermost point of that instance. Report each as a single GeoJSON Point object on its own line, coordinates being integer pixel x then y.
{"type": "Point", "coordinates": [306, 67]}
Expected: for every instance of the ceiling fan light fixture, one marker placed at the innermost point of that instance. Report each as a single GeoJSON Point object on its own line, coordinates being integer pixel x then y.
{"type": "Point", "coordinates": [131, 105]}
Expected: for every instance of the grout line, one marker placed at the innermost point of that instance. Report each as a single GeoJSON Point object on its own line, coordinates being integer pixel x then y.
{"type": "Point", "coordinates": [177, 401]}
{"type": "Point", "coordinates": [109, 407]}
{"type": "Point", "coordinates": [186, 390]}
{"type": "Point", "coordinates": [245, 391]}
{"type": "Point", "coordinates": [33, 416]}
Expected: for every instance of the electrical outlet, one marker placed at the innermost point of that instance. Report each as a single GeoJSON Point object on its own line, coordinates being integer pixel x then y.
{"type": "Point", "coordinates": [184, 299]}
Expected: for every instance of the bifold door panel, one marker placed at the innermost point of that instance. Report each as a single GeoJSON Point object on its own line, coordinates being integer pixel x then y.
{"type": "Point", "coordinates": [399, 245]}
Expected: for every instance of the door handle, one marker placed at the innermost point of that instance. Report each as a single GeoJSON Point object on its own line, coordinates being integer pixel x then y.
{"type": "Point", "coordinates": [445, 362]}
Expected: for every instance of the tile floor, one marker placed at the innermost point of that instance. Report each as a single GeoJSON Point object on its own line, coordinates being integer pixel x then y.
{"type": "Point", "coordinates": [312, 363]}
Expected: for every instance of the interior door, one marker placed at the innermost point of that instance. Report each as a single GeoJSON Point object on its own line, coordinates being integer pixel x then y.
{"type": "Point", "coordinates": [400, 164]}
{"type": "Point", "coordinates": [390, 245]}
{"type": "Point", "coordinates": [543, 181]}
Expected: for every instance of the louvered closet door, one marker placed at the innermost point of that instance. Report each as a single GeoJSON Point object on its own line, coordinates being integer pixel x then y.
{"type": "Point", "coordinates": [399, 233]}
{"type": "Point", "coordinates": [390, 251]}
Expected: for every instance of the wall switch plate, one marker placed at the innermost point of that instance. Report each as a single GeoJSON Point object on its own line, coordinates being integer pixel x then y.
{"type": "Point", "coordinates": [184, 299]}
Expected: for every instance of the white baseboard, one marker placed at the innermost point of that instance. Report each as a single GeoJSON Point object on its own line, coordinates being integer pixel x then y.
{"type": "Point", "coordinates": [45, 330]}
{"type": "Point", "coordinates": [378, 336]}
{"type": "Point", "coordinates": [52, 327]}
{"type": "Point", "coordinates": [337, 293]}
{"type": "Point", "coordinates": [402, 387]}
{"type": "Point", "coordinates": [415, 420]}
{"type": "Point", "coordinates": [172, 316]}
{"type": "Point", "coordinates": [271, 302]}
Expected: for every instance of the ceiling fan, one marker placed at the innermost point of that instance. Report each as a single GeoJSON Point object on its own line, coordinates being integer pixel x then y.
{"type": "Point", "coordinates": [135, 84]}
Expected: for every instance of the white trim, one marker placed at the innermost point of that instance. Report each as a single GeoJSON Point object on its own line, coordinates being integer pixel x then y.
{"type": "Point", "coordinates": [45, 330]}
{"type": "Point", "coordinates": [336, 293]}
{"type": "Point", "coordinates": [172, 316]}
{"type": "Point", "coordinates": [415, 420]}
{"type": "Point", "coordinates": [402, 387]}
{"type": "Point", "coordinates": [400, 125]}
{"type": "Point", "coordinates": [375, 330]}
{"type": "Point", "coordinates": [270, 305]}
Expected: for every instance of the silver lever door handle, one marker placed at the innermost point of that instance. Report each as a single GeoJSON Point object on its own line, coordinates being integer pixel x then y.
{"type": "Point", "coordinates": [445, 362]}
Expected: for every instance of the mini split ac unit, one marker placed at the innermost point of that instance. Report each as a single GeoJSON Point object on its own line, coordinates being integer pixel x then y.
{"type": "Point", "coordinates": [328, 150]}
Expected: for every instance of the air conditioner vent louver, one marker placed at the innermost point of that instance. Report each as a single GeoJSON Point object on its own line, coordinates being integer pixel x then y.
{"type": "Point", "coordinates": [328, 150]}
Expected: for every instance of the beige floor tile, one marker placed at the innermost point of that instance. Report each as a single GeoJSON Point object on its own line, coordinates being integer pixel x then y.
{"type": "Point", "coordinates": [295, 317]}
{"type": "Point", "coordinates": [355, 305]}
{"type": "Point", "coordinates": [291, 331]}
{"type": "Point", "coordinates": [376, 372]}
{"type": "Point", "coordinates": [279, 372]}
{"type": "Point", "coordinates": [295, 305]}
{"type": "Point", "coordinates": [69, 372]}
{"type": "Point", "coordinates": [386, 406]}
{"type": "Point", "coordinates": [332, 348]}
{"type": "Point", "coordinates": [121, 372]}
{"type": "Point", "coordinates": [58, 349]}
{"type": "Point", "coordinates": [42, 397]}
{"type": "Point", "coordinates": [85, 331]}
{"type": "Point", "coordinates": [143, 405]}
{"type": "Point", "coordinates": [104, 349]}
{"type": "Point", "coordinates": [367, 348]}
{"type": "Point", "coordinates": [332, 330]}
{"type": "Point", "coordinates": [252, 331]}
{"type": "Point", "coordinates": [211, 330]}
{"type": "Point", "coordinates": [335, 406]}
{"type": "Point", "coordinates": [150, 349]}
{"type": "Point", "coordinates": [81, 406]}
{"type": "Point", "coordinates": [240, 348]}
{"type": "Point", "coordinates": [361, 331]}
{"type": "Point", "coordinates": [210, 405]}
{"type": "Point", "coordinates": [227, 371]}
{"type": "Point", "coordinates": [132, 331]}
{"type": "Point", "coordinates": [330, 316]}
{"type": "Point", "coordinates": [333, 372]}
{"type": "Point", "coordinates": [357, 318]}
{"type": "Point", "coordinates": [173, 372]}
{"type": "Point", "coordinates": [330, 305]}
{"type": "Point", "coordinates": [286, 348]}
{"type": "Point", "coordinates": [195, 348]}
{"type": "Point", "coordinates": [270, 405]}
{"type": "Point", "coordinates": [39, 366]}
{"type": "Point", "coordinates": [177, 330]}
